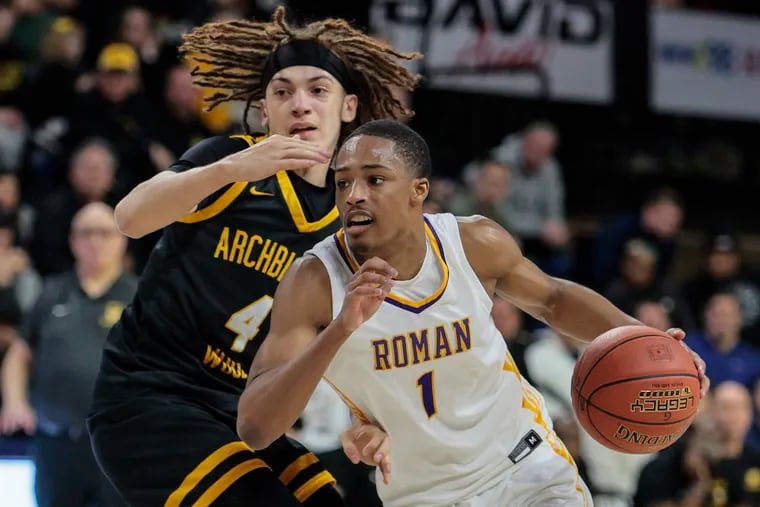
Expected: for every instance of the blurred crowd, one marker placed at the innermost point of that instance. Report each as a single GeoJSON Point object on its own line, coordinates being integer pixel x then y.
{"type": "Point", "coordinates": [94, 100]}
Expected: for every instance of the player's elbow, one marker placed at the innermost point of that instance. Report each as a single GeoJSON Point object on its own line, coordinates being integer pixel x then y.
{"type": "Point", "coordinates": [254, 430]}
{"type": "Point", "coordinates": [126, 220]}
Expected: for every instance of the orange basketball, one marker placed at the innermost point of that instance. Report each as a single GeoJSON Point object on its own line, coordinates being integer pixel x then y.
{"type": "Point", "coordinates": [635, 389]}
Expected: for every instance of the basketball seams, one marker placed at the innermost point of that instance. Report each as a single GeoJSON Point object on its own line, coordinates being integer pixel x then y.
{"type": "Point", "coordinates": [599, 432]}
{"type": "Point", "coordinates": [611, 349]}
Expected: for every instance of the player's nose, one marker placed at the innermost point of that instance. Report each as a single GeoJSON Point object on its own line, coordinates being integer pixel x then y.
{"type": "Point", "coordinates": [299, 103]}
{"type": "Point", "coordinates": [356, 194]}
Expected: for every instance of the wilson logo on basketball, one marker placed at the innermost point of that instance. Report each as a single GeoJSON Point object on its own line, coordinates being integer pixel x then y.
{"type": "Point", "coordinates": [671, 400]}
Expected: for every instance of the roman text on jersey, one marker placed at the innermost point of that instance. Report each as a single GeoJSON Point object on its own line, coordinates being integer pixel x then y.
{"type": "Point", "coordinates": [422, 345]}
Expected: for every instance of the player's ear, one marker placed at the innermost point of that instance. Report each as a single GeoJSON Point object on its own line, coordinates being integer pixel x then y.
{"type": "Point", "coordinates": [420, 190]}
{"type": "Point", "coordinates": [264, 116]}
{"type": "Point", "coordinates": [349, 107]}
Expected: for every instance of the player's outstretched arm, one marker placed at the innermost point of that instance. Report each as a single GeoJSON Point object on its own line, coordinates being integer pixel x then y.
{"type": "Point", "coordinates": [169, 195]}
{"type": "Point", "coordinates": [569, 308]}
{"type": "Point", "coordinates": [295, 354]}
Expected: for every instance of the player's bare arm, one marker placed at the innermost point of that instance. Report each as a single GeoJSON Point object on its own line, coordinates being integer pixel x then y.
{"type": "Point", "coordinates": [169, 195]}
{"type": "Point", "coordinates": [569, 308]}
{"type": "Point", "coordinates": [301, 343]}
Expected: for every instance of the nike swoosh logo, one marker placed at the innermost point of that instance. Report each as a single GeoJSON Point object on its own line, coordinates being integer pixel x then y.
{"type": "Point", "coordinates": [257, 192]}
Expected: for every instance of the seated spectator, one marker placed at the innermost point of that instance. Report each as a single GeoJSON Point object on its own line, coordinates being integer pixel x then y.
{"type": "Point", "coordinates": [638, 281]}
{"type": "Point", "coordinates": [753, 438]}
{"type": "Point", "coordinates": [652, 314]}
{"type": "Point", "coordinates": [710, 465]}
{"type": "Point", "coordinates": [728, 357]}
{"type": "Point", "coordinates": [19, 283]}
{"type": "Point", "coordinates": [657, 223]}
{"type": "Point", "coordinates": [91, 177]}
{"type": "Point", "coordinates": [535, 205]}
{"type": "Point", "coordinates": [10, 204]}
{"type": "Point", "coordinates": [725, 271]}
{"type": "Point", "coordinates": [487, 195]}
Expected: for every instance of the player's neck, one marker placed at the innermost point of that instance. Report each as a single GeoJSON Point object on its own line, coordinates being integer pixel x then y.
{"type": "Point", "coordinates": [316, 175]}
{"type": "Point", "coordinates": [96, 280]}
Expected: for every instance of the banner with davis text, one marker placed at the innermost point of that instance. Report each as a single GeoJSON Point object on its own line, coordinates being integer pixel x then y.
{"type": "Point", "coordinates": [550, 49]}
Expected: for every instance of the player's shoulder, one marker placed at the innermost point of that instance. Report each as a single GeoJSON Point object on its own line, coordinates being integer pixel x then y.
{"type": "Point", "coordinates": [488, 246]}
{"type": "Point", "coordinates": [306, 286]}
{"type": "Point", "coordinates": [211, 149]}
{"type": "Point", "coordinates": [307, 272]}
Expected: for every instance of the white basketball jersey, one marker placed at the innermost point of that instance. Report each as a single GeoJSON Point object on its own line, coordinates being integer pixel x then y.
{"type": "Point", "coordinates": [433, 371]}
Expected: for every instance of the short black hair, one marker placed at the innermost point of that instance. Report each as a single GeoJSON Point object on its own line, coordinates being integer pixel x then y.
{"type": "Point", "coordinates": [408, 144]}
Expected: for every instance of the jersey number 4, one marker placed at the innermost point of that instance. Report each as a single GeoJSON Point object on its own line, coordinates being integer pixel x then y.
{"type": "Point", "coordinates": [426, 383]}
{"type": "Point", "coordinates": [247, 321]}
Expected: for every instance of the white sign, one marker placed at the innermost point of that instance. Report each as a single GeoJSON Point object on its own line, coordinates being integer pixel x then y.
{"type": "Point", "coordinates": [554, 49]}
{"type": "Point", "coordinates": [705, 64]}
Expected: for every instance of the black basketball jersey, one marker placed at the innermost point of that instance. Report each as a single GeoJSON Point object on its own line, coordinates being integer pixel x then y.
{"type": "Point", "coordinates": [203, 302]}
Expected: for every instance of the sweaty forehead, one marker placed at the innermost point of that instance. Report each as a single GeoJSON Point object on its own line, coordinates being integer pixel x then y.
{"type": "Point", "coordinates": [365, 149]}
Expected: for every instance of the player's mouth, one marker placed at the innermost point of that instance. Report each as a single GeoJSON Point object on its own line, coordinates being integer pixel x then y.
{"type": "Point", "coordinates": [358, 221]}
{"type": "Point", "coordinates": [302, 130]}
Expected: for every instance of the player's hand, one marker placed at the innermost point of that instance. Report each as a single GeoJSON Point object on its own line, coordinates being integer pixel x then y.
{"type": "Point", "coordinates": [17, 416]}
{"type": "Point", "coordinates": [276, 153]}
{"type": "Point", "coordinates": [365, 293]}
{"type": "Point", "coordinates": [704, 380]}
{"type": "Point", "coordinates": [369, 444]}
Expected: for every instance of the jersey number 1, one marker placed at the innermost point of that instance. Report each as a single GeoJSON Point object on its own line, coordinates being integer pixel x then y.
{"type": "Point", "coordinates": [247, 321]}
{"type": "Point", "coordinates": [426, 384]}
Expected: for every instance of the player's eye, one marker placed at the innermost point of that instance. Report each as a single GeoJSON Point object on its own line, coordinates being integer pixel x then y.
{"type": "Point", "coordinates": [341, 184]}
{"type": "Point", "coordinates": [376, 180]}
{"type": "Point", "coordinates": [320, 90]}
{"type": "Point", "coordinates": [280, 92]}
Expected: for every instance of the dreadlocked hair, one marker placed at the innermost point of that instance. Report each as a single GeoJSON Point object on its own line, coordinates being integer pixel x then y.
{"type": "Point", "coordinates": [230, 56]}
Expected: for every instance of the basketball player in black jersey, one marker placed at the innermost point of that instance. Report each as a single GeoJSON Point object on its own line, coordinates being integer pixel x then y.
{"type": "Point", "coordinates": [237, 211]}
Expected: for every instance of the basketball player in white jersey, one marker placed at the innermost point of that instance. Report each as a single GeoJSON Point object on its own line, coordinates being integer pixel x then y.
{"type": "Point", "coordinates": [394, 312]}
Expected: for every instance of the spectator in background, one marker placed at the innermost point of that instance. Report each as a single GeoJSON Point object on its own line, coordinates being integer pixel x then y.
{"type": "Point", "coordinates": [117, 111]}
{"type": "Point", "coordinates": [535, 204]}
{"type": "Point", "coordinates": [53, 83]}
{"type": "Point", "coordinates": [753, 438]}
{"type": "Point", "coordinates": [19, 283]}
{"type": "Point", "coordinates": [91, 179]}
{"type": "Point", "coordinates": [658, 223]}
{"type": "Point", "coordinates": [138, 28]}
{"type": "Point", "coordinates": [711, 465]}
{"type": "Point", "coordinates": [638, 281]}
{"type": "Point", "coordinates": [652, 314]}
{"type": "Point", "coordinates": [60, 354]}
{"type": "Point", "coordinates": [181, 121]}
{"type": "Point", "coordinates": [728, 357]}
{"type": "Point", "coordinates": [486, 196]}
{"type": "Point", "coordinates": [724, 271]}
{"type": "Point", "coordinates": [326, 416]}
{"type": "Point", "coordinates": [10, 204]}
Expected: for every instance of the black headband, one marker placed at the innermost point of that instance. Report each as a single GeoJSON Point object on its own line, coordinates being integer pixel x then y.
{"type": "Point", "coordinates": [306, 52]}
